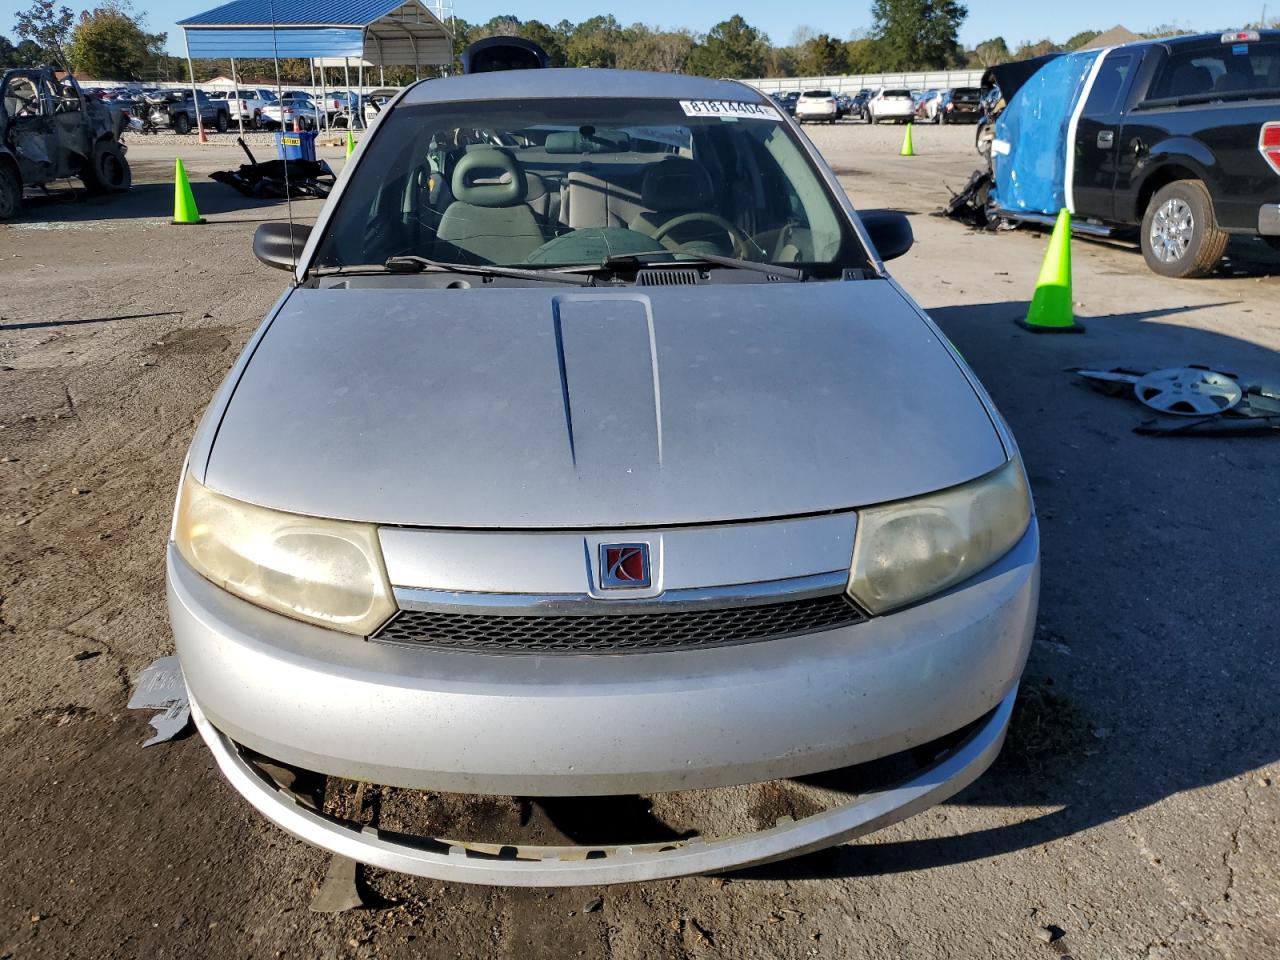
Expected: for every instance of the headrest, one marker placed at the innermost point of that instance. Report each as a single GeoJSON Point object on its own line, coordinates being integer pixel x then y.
{"type": "Point", "coordinates": [677, 183]}
{"type": "Point", "coordinates": [488, 178]}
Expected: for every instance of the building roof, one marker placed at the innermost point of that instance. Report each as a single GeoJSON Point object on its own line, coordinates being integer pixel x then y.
{"type": "Point", "coordinates": [375, 31]}
{"type": "Point", "coordinates": [1111, 38]}
{"type": "Point", "coordinates": [580, 82]}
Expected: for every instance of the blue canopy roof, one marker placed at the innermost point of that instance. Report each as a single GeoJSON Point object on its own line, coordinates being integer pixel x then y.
{"type": "Point", "coordinates": [378, 31]}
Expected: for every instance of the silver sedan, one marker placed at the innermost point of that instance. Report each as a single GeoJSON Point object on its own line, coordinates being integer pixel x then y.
{"type": "Point", "coordinates": [591, 451]}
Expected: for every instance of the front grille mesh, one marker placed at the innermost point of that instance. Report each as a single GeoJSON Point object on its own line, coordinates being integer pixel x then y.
{"type": "Point", "coordinates": [620, 632]}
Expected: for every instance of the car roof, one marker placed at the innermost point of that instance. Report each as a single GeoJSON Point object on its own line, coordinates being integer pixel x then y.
{"type": "Point", "coordinates": [578, 82]}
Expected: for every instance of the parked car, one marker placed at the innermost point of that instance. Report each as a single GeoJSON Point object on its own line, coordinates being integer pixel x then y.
{"type": "Point", "coordinates": [376, 100]}
{"type": "Point", "coordinates": [844, 105]}
{"type": "Point", "coordinates": [961, 105]}
{"type": "Point", "coordinates": [891, 105]}
{"type": "Point", "coordinates": [245, 103]}
{"type": "Point", "coordinates": [1175, 139]}
{"type": "Point", "coordinates": [858, 108]}
{"type": "Point", "coordinates": [176, 110]}
{"type": "Point", "coordinates": [289, 108]}
{"type": "Point", "coordinates": [50, 130]}
{"type": "Point", "coordinates": [554, 585]}
{"type": "Point", "coordinates": [817, 106]}
{"type": "Point", "coordinates": [340, 105]}
{"type": "Point", "coordinates": [927, 107]}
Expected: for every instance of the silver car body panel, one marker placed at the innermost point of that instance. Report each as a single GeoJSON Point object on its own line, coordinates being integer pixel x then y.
{"type": "Point", "coordinates": [588, 725]}
{"type": "Point", "coordinates": [539, 866]}
{"type": "Point", "coordinates": [531, 408]}
{"type": "Point", "coordinates": [681, 558]}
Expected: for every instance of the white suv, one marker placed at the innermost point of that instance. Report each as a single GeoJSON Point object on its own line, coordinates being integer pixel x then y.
{"type": "Point", "coordinates": [891, 105]}
{"type": "Point", "coordinates": [246, 102]}
{"type": "Point", "coordinates": [819, 105]}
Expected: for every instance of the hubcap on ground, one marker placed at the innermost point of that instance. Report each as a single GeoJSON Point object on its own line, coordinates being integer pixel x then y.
{"type": "Point", "coordinates": [1171, 230]}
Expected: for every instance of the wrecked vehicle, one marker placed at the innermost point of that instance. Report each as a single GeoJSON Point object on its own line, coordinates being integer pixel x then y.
{"type": "Point", "coordinates": [586, 456]}
{"type": "Point", "coordinates": [1174, 140]}
{"type": "Point", "coordinates": [49, 130]}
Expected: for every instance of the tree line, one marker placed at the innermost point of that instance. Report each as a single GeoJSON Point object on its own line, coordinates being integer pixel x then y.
{"type": "Point", "coordinates": [112, 42]}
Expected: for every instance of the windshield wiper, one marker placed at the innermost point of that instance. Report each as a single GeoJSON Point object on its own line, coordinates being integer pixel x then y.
{"type": "Point", "coordinates": [416, 264]}
{"type": "Point", "coordinates": [631, 262]}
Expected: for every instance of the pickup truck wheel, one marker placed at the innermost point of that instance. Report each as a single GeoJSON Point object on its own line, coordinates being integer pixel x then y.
{"type": "Point", "coordinates": [182, 123]}
{"type": "Point", "coordinates": [10, 191]}
{"type": "Point", "coordinates": [222, 122]}
{"type": "Point", "coordinates": [1180, 237]}
{"type": "Point", "coordinates": [107, 170]}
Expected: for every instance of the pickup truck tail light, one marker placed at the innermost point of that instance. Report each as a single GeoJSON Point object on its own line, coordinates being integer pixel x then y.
{"type": "Point", "coordinates": [1269, 145]}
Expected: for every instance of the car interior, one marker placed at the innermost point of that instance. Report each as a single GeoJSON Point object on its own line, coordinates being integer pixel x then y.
{"type": "Point", "coordinates": [566, 195]}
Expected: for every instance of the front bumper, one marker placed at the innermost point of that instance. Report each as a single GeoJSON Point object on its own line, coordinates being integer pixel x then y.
{"type": "Point", "coordinates": [562, 725]}
{"type": "Point", "coordinates": [542, 866]}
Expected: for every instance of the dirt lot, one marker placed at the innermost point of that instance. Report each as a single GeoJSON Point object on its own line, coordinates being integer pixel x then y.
{"type": "Point", "coordinates": [1150, 832]}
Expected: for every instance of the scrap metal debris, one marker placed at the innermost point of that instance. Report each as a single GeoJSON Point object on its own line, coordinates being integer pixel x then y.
{"type": "Point", "coordinates": [340, 890]}
{"type": "Point", "coordinates": [161, 686]}
{"type": "Point", "coordinates": [277, 179]}
{"type": "Point", "coordinates": [1206, 400]}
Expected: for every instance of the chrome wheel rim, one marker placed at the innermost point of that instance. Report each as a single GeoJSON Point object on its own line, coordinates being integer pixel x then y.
{"type": "Point", "coordinates": [1171, 230]}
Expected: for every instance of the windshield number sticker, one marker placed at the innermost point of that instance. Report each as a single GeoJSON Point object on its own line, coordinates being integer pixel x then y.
{"type": "Point", "coordinates": [729, 108]}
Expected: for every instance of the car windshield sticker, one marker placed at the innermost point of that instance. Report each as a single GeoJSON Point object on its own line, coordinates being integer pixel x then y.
{"type": "Point", "coordinates": [729, 108]}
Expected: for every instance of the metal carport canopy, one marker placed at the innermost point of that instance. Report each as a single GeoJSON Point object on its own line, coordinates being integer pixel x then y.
{"type": "Point", "coordinates": [380, 32]}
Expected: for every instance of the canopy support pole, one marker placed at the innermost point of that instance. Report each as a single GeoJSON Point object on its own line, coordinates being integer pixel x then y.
{"type": "Point", "coordinates": [195, 100]}
{"type": "Point", "coordinates": [236, 83]}
{"type": "Point", "coordinates": [360, 83]}
{"type": "Point", "coordinates": [346, 69]}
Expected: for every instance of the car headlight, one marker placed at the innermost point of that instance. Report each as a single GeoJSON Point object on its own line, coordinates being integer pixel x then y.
{"type": "Point", "coordinates": [912, 549]}
{"type": "Point", "coordinates": [328, 572]}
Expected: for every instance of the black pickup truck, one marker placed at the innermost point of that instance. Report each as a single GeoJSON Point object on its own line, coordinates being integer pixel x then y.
{"type": "Point", "coordinates": [1179, 138]}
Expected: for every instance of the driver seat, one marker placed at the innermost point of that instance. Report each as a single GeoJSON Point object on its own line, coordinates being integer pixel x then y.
{"type": "Point", "coordinates": [672, 188]}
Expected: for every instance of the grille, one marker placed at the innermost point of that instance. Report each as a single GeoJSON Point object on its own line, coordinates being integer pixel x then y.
{"type": "Point", "coordinates": [620, 632]}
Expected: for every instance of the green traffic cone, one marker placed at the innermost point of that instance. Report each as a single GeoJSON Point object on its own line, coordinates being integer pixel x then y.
{"type": "Point", "coordinates": [351, 143]}
{"type": "Point", "coordinates": [184, 204]}
{"type": "Point", "coordinates": [1051, 306]}
{"type": "Point", "coordinates": [908, 149]}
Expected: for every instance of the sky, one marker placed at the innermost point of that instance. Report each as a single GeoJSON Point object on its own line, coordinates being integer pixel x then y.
{"type": "Point", "coordinates": [1015, 20]}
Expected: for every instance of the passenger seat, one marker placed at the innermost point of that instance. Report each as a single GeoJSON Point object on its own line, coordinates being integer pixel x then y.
{"type": "Point", "coordinates": [491, 218]}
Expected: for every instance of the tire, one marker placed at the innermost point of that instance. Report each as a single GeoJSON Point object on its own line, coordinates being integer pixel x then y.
{"type": "Point", "coordinates": [10, 190]}
{"type": "Point", "coordinates": [107, 170]}
{"type": "Point", "coordinates": [1273, 243]}
{"type": "Point", "coordinates": [942, 119]}
{"type": "Point", "coordinates": [1180, 236]}
{"type": "Point", "coordinates": [182, 124]}
{"type": "Point", "coordinates": [221, 122]}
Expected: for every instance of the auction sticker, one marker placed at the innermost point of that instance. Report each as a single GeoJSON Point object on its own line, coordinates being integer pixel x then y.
{"type": "Point", "coordinates": [729, 108]}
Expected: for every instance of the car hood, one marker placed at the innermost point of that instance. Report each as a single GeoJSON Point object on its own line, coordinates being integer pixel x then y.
{"type": "Point", "coordinates": [544, 408]}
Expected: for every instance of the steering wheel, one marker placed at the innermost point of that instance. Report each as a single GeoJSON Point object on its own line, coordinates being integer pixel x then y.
{"type": "Point", "coordinates": [742, 244]}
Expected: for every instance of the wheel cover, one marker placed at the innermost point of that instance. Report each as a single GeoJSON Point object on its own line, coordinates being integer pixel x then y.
{"type": "Point", "coordinates": [1188, 391]}
{"type": "Point", "coordinates": [1171, 230]}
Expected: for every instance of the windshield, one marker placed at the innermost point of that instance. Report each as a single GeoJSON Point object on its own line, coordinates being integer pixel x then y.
{"type": "Point", "coordinates": [570, 182]}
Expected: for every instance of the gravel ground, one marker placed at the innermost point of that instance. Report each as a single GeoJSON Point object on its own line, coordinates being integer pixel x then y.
{"type": "Point", "coordinates": [1153, 836]}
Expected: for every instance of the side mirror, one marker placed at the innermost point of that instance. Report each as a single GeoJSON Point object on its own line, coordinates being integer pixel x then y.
{"type": "Point", "coordinates": [890, 232]}
{"type": "Point", "coordinates": [280, 245]}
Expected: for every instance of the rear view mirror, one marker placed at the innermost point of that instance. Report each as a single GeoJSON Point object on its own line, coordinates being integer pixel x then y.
{"type": "Point", "coordinates": [890, 232]}
{"type": "Point", "coordinates": [280, 245]}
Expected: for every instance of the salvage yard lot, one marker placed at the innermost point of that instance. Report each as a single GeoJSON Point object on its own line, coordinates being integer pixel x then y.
{"type": "Point", "coordinates": [1134, 813]}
